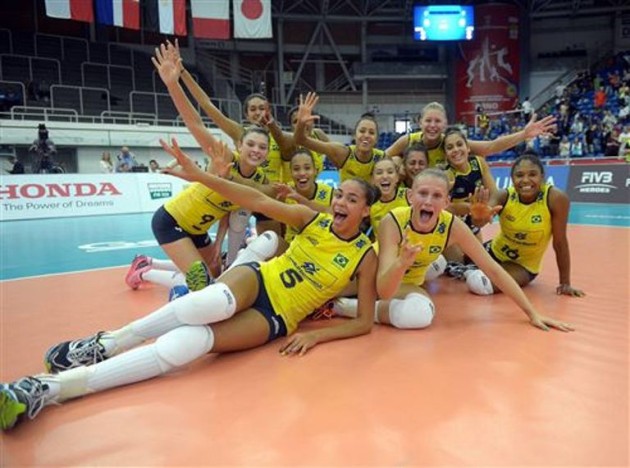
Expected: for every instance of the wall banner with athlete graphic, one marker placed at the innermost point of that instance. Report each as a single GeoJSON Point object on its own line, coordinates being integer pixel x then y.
{"type": "Point", "coordinates": [487, 68]}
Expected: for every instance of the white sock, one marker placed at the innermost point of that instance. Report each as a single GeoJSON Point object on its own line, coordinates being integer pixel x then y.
{"type": "Point", "coordinates": [164, 264]}
{"type": "Point", "coordinates": [168, 278]}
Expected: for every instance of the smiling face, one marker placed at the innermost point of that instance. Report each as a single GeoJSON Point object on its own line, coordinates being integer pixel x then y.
{"type": "Point", "coordinates": [255, 109]}
{"type": "Point", "coordinates": [385, 177]}
{"type": "Point", "coordinates": [349, 206]}
{"type": "Point", "coordinates": [428, 197]}
{"type": "Point", "coordinates": [414, 163]}
{"type": "Point", "coordinates": [253, 149]}
{"type": "Point", "coordinates": [432, 123]}
{"type": "Point", "coordinates": [303, 172]}
{"type": "Point", "coordinates": [527, 177]}
{"type": "Point", "coordinates": [366, 134]}
{"type": "Point", "coordinates": [457, 150]}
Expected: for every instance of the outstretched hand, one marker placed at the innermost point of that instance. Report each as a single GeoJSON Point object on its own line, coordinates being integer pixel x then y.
{"type": "Point", "coordinates": [299, 343]}
{"type": "Point", "coordinates": [481, 212]}
{"type": "Point", "coordinates": [305, 110]}
{"type": "Point", "coordinates": [168, 63]}
{"type": "Point", "coordinates": [221, 159]}
{"type": "Point", "coordinates": [568, 290]}
{"type": "Point", "coordinates": [544, 126]}
{"type": "Point", "coordinates": [545, 323]}
{"type": "Point", "coordinates": [186, 168]}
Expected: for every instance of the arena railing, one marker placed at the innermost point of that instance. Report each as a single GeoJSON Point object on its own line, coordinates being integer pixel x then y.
{"type": "Point", "coordinates": [30, 64]}
{"type": "Point", "coordinates": [43, 113]}
{"type": "Point", "coordinates": [62, 43]}
{"type": "Point", "coordinates": [109, 72]}
{"type": "Point", "coordinates": [16, 83]}
{"type": "Point", "coordinates": [130, 118]}
{"type": "Point", "coordinates": [81, 90]}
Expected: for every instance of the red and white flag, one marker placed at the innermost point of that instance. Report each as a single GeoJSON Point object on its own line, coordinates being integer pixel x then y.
{"type": "Point", "coordinates": [79, 10]}
{"type": "Point", "coordinates": [211, 18]}
{"type": "Point", "coordinates": [252, 19]}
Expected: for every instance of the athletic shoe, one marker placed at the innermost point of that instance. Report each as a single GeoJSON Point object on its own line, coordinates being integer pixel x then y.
{"type": "Point", "coordinates": [198, 276]}
{"type": "Point", "coordinates": [140, 264]}
{"type": "Point", "coordinates": [177, 291]}
{"type": "Point", "coordinates": [77, 353]}
{"type": "Point", "coordinates": [458, 270]}
{"type": "Point", "coordinates": [324, 312]}
{"type": "Point", "coordinates": [23, 398]}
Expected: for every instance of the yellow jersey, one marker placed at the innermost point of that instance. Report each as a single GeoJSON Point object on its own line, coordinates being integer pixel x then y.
{"type": "Point", "coordinates": [316, 267]}
{"type": "Point", "coordinates": [433, 242]}
{"type": "Point", "coordinates": [272, 167]}
{"type": "Point", "coordinates": [352, 167]}
{"type": "Point", "coordinates": [322, 196]}
{"type": "Point", "coordinates": [465, 183]}
{"type": "Point", "coordinates": [525, 230]}
{"type": "Point", "coordinates": [436, 155]}
{"type": "Point", "coordinates": [198, 207]}
{"type": "Point", "coordinates": [379, 209]}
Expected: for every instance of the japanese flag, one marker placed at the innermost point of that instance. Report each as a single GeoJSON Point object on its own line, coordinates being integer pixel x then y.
{"type": "Point", "coordinates": [252, 19]}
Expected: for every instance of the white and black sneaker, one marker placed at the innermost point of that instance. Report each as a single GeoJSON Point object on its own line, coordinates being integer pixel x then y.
{"type": "Point", "coordinates": [24, 398]}
{"type": "Point", "coordinates": [76, 353]}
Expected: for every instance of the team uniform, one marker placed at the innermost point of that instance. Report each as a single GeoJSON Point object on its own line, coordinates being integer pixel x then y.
{"type": "Point", "coordinates": [464, 185]}
{"type": "Point", "coordinates": [272, 167]}
{"type": "Point", "coordinates": [379, 209]}
{"type": "Point", "coordinates": [193, 211]}
{"type": "Point", "coordinates": [436, 155]}
{"type": "Point", "coordinates": [433, 242]}
{"type": "Point", "coordinates": [525, 231]}
{"type": "Point", "coordinates": [317, 266]}
{"type": "Point", "coordinates": [323, 196]}
{"type": "Point", "coordinates": [352, 167]}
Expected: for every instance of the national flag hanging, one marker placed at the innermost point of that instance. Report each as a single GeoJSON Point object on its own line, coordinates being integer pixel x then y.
{"type": "Point", "coordinates": [122, 13]}
{"type": "Point", "coordinates": [252, 19]}
{"type": "Point", "coordinates": [165, 16]}
{"type": "Point", "coordinates": [79, 10]}
{"type": "Point", "coordinates": [211, 18]}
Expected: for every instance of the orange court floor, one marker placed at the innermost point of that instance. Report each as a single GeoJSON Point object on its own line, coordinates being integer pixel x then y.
{"type": "Point", "coordinates": [478, 388]}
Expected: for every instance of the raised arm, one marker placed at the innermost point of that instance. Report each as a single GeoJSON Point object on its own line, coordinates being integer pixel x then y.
{"type": "Point", "coordinates": [395, 256]}
{"type": "Point", "coordinates": [396, 149]}
{"type": "Point", "coordinates": [168, 66]}
{"type": "Point", "coordinates": [242, 195]}
{"type": "Point", "coordinates": [233, 129]}
{"type": "Point", "coordinates": [301, 342]}
{"type": "Point", "coordinates": [461, 234]}
{"type": "Point", "coordinates": [335, 152]}
{"type": "Point", "coordinates": [559, 207]}
{"type": "Point", "coordinates": [532, 129]}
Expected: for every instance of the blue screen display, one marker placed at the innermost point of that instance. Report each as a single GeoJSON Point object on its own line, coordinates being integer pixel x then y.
{"type": "Point", "coordinates": [443, 23]}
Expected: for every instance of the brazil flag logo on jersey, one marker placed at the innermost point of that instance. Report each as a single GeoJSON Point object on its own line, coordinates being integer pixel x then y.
{"type": "Point", "coordinates": [340, 260]}
{"type": "Point", "coordinates": [536, 219]}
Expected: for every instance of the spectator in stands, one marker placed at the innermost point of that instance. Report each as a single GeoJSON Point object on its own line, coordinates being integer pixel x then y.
{"type": "Point", "coordinates": [577, 147]}
{"type": "Point", "coordinates": [45, 148]}
{"type": "Point", "coordinates": [527, 109]}
{"type": "Point", "coordinates": [609, 119]}
{"type": "Point", "coordinates": [483, 122]}
{"type": "Point", "coordinates": [126, 157]}
{"type": "Point", "coordinates": [17, 166]}
{"type": "Point", "coordinates": [612, 143]}
{"type": "Point", "coordinates": [624, 143]}
{"type": "Point", "coordinates": [564, 149]}
{"type": "Point", "coordinates": [154, 167]}
{"type": "Point", "coordinates": [599, 98]}
{"type": "Point", "coordinates": [589, 137]}
{"type": "Point", "coordinates": [107, 166]}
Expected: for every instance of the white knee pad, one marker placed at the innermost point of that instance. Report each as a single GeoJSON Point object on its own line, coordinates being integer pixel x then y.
{"type": "Point", "coordinates": [436, 268]}
{"type": "Point", "coordinates": [212, 304]}
{"type": "Point", "coordinates": [183, 345]}
{"type": "Point", "coordinates": [258, 250]}
{"type": "Point", "coordinates": [414, 311]}
{"type": "Point", "coordinates": [479, 283]}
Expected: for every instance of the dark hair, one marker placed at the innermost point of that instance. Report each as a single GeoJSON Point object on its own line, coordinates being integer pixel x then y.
{"type": "Point", "coordinates": [250, 97]}
{"type": "Point", "coordinates": [417, 147]}
{"type": "Point", "coordinates": [255, 129]}
{"type": "Point", "coordinates": [531, 156]}
{"type": "Point", "coordinates": [304, 151]}
{"type": "Point", "coordinates": [292, 111]}
{"type": "Point", "coordinates": [371, 192]}
{"type": "Point", "coordinates": [366, 116]}
{"type": "Point", "coordinates": [453, 130]}
{"type": "Point", "coordinates": [381, 160]}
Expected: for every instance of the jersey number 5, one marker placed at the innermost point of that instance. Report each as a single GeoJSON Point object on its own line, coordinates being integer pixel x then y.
{"type": "Point", "coordinates": [290, 278]}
